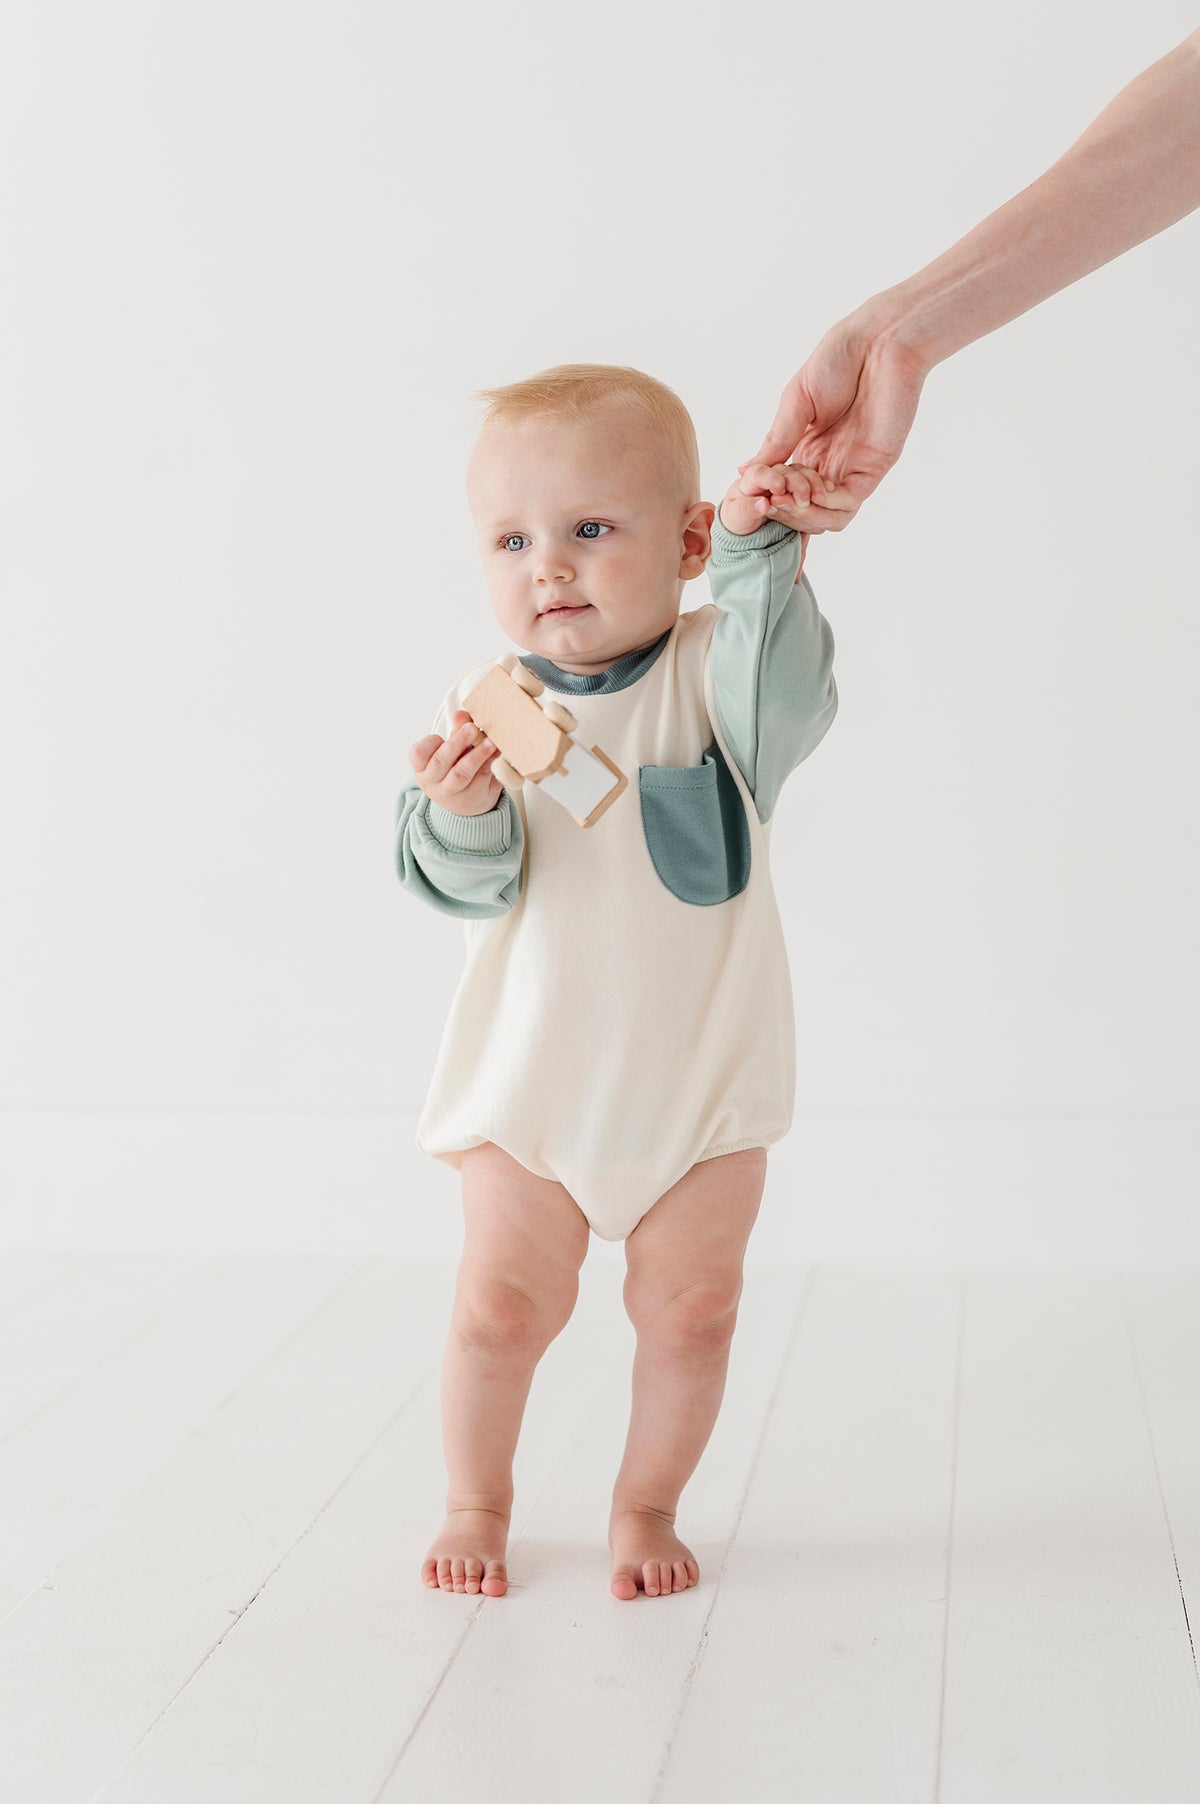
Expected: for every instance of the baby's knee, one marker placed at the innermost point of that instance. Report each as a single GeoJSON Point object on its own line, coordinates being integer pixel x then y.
{"type": "Point", "coordinates": [703, 1312]}
{"type": "Point", "coordinates": [501, 1315]}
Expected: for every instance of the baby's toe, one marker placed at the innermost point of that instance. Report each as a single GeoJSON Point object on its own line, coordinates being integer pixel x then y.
{"type": "Point", "coordinates": [495, 1579]}
{"type": "Point", "coordinates": [650, 1578]}
{"type": "Point", "coordinates": [624, 1583]}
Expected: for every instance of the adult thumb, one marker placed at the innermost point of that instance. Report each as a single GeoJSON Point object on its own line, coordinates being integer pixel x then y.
{"type": "Point", "coordinates": [792, 417]}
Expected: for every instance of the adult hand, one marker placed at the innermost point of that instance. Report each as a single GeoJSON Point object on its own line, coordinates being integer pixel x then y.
{"type": "Point", "coordinates": [1133, 172]}
{"type": "Point", "coordinates": [846, 413]}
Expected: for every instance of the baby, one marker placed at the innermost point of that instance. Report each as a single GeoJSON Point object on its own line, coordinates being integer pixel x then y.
{"type": "Point", "coordinates": [621, 1048]}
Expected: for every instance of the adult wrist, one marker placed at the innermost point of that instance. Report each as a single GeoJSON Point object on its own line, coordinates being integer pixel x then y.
{"type": "Point", "coordinates": [899, 322]}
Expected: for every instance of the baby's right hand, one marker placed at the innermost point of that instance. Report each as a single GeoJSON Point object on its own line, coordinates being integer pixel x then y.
{"type": "Point", "coordinates": [455, 772]}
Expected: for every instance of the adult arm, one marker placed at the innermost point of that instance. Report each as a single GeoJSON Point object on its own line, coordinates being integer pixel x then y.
{"type": "Point", "coordinates": [1132, 173]}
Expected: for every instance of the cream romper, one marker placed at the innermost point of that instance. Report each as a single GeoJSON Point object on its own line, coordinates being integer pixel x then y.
{"type": "Point", "coordinates": [630, 1012]}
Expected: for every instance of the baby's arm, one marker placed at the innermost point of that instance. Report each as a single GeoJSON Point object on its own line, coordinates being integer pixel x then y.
{"type": "Point", "coordinates": [772, 650]}
{"type": "Point", "coordinates": [459, 838]}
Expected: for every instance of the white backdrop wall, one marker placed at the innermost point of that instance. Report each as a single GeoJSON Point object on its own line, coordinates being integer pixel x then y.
{"type": "Point", "coordinates": [258, 257]}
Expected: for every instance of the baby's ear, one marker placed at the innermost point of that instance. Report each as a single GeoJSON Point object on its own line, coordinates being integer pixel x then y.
{"type": "Point", "coordinates": [697, 538]}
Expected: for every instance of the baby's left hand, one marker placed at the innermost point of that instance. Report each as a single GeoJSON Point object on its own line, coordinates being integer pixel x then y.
{"type": "Point", "coordinates": [793, 494]}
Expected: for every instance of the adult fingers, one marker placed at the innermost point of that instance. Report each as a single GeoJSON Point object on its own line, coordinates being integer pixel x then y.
{"type": "Point", "coordinates": [825, 493]}
{"type": "Point", "coordinates": [805, 489]}
{"type": "Point", "coordinates": [813, 517]}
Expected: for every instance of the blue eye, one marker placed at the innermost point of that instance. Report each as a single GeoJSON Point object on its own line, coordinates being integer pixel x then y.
{"type": "Point", "coordinates": [591, 529]}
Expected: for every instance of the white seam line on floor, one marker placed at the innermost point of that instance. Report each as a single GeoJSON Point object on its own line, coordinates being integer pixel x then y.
{"type": "Point", "coordinates": [1162, 1496]}
{"type": "Point", "coordinates": [958, 1364]}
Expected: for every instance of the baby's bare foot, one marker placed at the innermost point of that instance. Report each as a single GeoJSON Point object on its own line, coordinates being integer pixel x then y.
{"type": "Point", "coordinates": [648, 1555]}
{"type": "Point", "coordinates": [468, 1554]}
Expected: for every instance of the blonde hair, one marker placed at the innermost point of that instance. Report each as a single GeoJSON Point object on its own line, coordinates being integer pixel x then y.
{"type": "Point", "coordinates": [578, 391]}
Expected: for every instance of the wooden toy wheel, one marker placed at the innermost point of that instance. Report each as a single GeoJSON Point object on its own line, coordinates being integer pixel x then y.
{"type": "Point", "coordinates": [562, 717]}
{"type": "Point", "coordinates": [501, 768]}
{"type": "Point", "coordinates": [525, 679]}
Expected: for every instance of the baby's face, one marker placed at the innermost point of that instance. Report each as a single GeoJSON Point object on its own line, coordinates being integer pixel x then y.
{"type": "Point", "coordinates": [584, 551]}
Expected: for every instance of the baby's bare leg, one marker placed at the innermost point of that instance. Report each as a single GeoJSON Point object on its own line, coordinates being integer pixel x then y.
{"type": "Point", "coordinates": [682, 1287]}
{"type": "Point", "coordinates": [518, 1278]}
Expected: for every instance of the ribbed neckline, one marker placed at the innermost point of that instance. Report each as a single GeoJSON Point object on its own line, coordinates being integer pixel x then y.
{"type": "Point", "coordinates": [600, 682]}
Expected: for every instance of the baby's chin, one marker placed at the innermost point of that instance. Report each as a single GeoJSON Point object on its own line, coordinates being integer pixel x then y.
{"type": "Point", "coordinates": [586, 638]}
{"type": "Point", "coordinates": [581, 659]}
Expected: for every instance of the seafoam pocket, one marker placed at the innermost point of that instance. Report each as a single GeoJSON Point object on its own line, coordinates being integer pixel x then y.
{"type": "Point", "coordinates": [694, 820]}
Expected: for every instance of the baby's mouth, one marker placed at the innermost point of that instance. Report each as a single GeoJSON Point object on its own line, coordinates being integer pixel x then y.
{"type": "Point", "coordinates": [565, 611]}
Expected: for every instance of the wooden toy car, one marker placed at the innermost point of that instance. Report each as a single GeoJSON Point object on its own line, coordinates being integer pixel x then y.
{"type": "Point", "coordinates": [535, 743]}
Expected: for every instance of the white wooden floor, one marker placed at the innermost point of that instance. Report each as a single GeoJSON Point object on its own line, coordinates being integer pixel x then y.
{"type": "Point", "coordinates": [948, 1531]}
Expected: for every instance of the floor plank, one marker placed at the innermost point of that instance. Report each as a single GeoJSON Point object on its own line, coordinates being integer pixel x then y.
{"type": "Point", "coordinates": [1068, 1673]}
{"type": "Point", "coordinates": [69, 1327]}
{"type": "Point", "coordinates": [25, 1271]}
{"type": "Point", "coordinates": [820, 1676]}
{"type": "Point", "coordinates": [92, 1447]}
{"type": "Point", "coordinates": [93, 1657]}
{"type": "Point", "coordinates": [314, 1693]}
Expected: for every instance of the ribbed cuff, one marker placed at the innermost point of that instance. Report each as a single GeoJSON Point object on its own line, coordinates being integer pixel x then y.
{"type": "Point", "coordinates": [728, 546]}
{"type": "Point", "coordinates": [482, 833]}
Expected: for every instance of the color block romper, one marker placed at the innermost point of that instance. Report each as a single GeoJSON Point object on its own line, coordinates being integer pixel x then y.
{"type": "Point", "coordinates": [626, 1006]}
